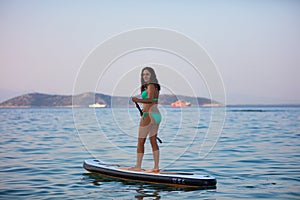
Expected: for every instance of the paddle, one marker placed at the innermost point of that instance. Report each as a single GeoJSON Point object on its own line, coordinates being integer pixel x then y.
{"type": "Point", "coordinates": [141, 113]}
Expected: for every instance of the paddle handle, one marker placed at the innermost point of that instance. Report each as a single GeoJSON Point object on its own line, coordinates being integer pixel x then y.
{"type": "Point", "coordinates": [139, 108]}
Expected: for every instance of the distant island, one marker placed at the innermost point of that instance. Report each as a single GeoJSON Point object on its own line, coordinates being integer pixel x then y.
{"type": "Point", "coordinates": [32, 100]}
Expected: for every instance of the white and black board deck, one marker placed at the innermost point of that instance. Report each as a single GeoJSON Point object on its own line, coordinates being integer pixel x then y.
{"type": "Point", "coordinates": [163, 177]}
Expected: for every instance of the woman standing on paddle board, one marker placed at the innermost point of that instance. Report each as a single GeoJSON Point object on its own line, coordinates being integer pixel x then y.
{"type": "Point", "coordinates": [150, 118]}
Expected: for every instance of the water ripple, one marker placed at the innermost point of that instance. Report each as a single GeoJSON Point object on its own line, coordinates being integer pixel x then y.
{"type": "Point", "coordinates": [257, 155]}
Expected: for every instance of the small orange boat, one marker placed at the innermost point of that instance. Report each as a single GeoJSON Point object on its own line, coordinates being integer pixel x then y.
{"type": "Point", "coordinates": [180, 104]}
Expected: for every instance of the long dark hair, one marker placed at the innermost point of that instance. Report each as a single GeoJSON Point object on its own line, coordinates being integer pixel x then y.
{"type": "Point", "coordinates": [153, 79]}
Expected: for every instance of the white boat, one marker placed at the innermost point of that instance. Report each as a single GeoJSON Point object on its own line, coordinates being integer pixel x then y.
{"type": "Point", "coordinates": [180, 104]}
{"type": "Point", "coordinates": [97, 105]}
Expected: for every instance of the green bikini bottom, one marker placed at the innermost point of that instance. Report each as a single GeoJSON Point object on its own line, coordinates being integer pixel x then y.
{"type": "Point", "coordinates": [155, 116]}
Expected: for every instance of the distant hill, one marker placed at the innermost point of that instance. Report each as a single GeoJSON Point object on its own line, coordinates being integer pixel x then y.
{"type": "Point", "coordinates": [85, 99]}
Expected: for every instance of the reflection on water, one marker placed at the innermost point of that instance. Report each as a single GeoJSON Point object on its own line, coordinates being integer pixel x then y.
{"type": "Point", "coordinates": [143, 189]}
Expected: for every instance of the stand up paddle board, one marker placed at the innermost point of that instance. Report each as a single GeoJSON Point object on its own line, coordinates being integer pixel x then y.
{"type": "Point", "coordinates": [163, 177]}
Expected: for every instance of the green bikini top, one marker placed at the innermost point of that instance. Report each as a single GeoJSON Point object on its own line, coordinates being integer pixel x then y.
{"type": "Point", "coordinates": [145, 95]}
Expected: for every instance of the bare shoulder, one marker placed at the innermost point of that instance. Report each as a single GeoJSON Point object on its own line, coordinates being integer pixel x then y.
{"type": "Point", "coordinates": [151, 86]}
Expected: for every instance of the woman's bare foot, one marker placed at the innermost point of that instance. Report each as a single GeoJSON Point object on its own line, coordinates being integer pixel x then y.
{"type": "Point", "coordinates": [155, 170]}
{"type": "Point", "coordinates": [135, 168]}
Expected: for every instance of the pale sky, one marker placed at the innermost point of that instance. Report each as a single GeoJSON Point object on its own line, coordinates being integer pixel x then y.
{"type": "Point", "coordinates": [254, 44]}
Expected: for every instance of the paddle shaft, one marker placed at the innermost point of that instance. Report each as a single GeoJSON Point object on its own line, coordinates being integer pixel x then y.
{"type": "Point", "coordinates": [141, 113]}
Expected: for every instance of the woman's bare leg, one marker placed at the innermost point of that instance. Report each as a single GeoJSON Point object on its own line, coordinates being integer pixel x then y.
{"type": "Point", "coordinates": [139, 154]}
{"type": "Point", "coordinates": [155, 151]}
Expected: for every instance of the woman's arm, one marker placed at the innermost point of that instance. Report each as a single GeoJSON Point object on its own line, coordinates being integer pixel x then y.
{"type": "Point", "coordinates": [147, 101]}
{"type": "Point", "coordinates": [151, 92]}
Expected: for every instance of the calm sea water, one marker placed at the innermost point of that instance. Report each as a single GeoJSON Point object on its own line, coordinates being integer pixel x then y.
{"type": "Point", "coordinates": [257, 155]}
